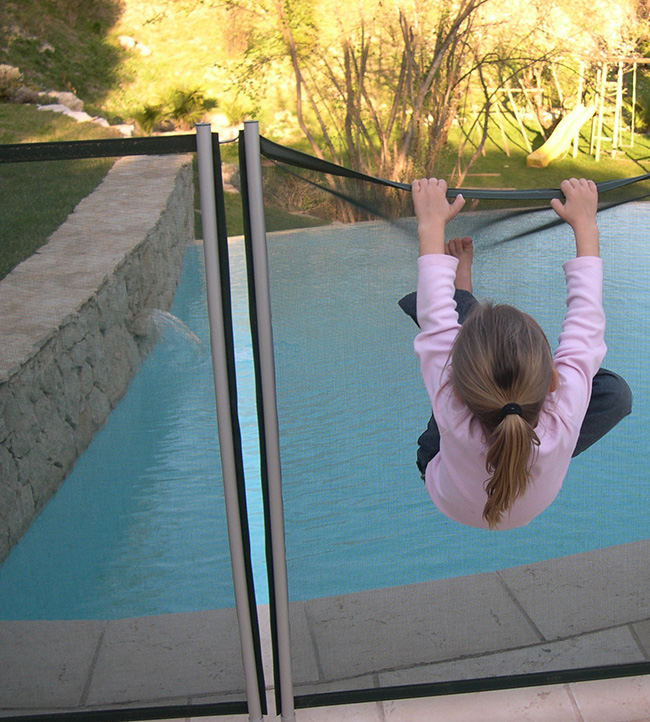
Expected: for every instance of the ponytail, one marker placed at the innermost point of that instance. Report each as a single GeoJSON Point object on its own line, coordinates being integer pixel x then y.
{"type": "Point", "coordinates": [508, 461]}
{"type": "Point", "coordinates": [500, 358]}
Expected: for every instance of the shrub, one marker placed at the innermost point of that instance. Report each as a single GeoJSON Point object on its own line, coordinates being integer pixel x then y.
{"type": "Point", "coordinates": [10, 81]}
{"type": "Point", "coordinates": [149, 117]}
{"type": "Point", "coordinates": [189, 106]}
{"type": "Point", "coordinates": [182, 108]}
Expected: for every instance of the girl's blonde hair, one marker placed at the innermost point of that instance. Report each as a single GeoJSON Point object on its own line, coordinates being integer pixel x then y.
{"type": "Point", "coordinates": [501, 356]}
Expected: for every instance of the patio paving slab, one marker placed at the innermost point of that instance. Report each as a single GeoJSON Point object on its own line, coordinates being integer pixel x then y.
{"type": "Point", "coordinates": [613, 646]}
{"type": "Point", "coordinates": [405, 626]}
{"type": "Point", "coordinates": [584, 592]}
{"type": "Point", "coordinates": [46, 664]}
{"type": "Point", "coordinates": [168, 657]}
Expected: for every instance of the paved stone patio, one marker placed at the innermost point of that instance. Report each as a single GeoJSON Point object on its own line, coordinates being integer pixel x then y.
{"type": "Point", "coordinates": [579, 611]}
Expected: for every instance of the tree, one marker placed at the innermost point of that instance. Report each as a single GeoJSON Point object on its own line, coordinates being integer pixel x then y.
{"type": "Point", "coordinates": [377, 86]}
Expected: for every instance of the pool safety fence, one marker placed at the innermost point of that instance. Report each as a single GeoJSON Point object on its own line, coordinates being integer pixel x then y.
{"type": "Point", "coordinates": [372, 593]}
{"type": "Point", "coordinates": [386, 596]}
{"type": "Point", "coordinates": [92, 308]}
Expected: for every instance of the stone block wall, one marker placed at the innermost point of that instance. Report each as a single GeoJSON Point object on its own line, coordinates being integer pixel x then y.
{"type": "Point", "coordinates": [75, 327]}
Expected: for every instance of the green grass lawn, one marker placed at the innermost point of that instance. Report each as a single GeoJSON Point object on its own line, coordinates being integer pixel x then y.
{"type": "Point", "coordinates": [276, 219]}
{"type": "Point", "coordinates": [496, 169]}
{"type": "Point", "coordinates": [35, 198]}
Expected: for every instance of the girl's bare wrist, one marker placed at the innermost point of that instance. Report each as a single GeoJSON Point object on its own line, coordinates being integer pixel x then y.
{"type": "Point", "coordinates": [587, 243]}
{"type": "Point", "coordinates": [433, 226]}
{"type": "Point", "coordinates": [431, 237]}
{"type": "Point", "coordinates": [585, 226]}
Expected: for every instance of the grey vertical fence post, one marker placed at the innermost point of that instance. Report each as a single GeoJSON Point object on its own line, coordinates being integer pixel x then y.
{"type": "Point", "coordinates": [226, 441]}
{"type": "Point", "coordinates": [267, 371]}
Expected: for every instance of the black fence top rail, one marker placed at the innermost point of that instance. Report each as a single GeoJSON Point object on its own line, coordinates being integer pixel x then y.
{"type": "Point", "coordinates": [100, 148]}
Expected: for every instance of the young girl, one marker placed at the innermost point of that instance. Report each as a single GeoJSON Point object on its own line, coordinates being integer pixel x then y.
{"type": "Point", "coordinates": [508, 414]}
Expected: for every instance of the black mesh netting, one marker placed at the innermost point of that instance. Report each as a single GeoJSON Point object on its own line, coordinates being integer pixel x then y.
{"type": "Point", "coordinates": [387, 596]}
{"type": "Point", "coordinates": [385, 591]}
{"type": "Point", "coordinates": [116, 591]}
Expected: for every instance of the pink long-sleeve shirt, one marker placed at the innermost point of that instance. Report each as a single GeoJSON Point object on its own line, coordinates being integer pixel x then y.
{"type": "Point", "coordinates": [455, 478]}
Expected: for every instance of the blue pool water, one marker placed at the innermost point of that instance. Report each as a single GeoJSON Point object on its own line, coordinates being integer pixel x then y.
{"type": "Point", "coordinates": [138, 528]}
{"type": "Point", "coordinates": [143, 502]}
{"type": "Point", "coordinates": [350, 391]}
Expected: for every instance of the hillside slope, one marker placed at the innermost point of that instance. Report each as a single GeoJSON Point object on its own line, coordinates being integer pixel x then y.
{"type": "Point", "coordinates": [119, 56]}
{"type": "Point", "coordinates": [62, 44]}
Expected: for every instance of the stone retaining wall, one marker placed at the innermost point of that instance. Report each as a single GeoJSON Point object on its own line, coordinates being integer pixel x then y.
{"type": "Point", "coordinates": [74, 323]}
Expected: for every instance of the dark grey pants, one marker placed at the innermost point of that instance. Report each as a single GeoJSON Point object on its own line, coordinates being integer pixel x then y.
{"type": "Point", "coordinates": [611, 398]}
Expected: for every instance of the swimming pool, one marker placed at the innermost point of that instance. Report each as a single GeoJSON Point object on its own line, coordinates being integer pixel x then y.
{"type": "Point", "coordinates": [138, 527]}
{"type": "Point", "coordinates": [356, 511]}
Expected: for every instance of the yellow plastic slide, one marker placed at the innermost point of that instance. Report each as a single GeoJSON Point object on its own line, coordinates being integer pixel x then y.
{"type": "Point", "coordinates": [561, 138]}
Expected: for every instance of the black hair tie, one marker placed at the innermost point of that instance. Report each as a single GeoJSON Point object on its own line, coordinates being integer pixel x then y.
{"type": "Point", "coordinates": [510, 409]}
